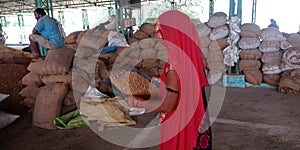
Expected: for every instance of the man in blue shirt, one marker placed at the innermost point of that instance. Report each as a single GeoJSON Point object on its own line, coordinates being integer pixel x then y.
{"type": "Point", "coordinates": [46, 33]}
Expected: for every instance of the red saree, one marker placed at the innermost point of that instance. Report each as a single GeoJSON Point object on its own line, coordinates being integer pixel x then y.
{"type": "Point", "coordinates": [179, 129]}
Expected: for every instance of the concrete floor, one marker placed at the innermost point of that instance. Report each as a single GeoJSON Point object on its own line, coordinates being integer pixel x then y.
{"type": "Point", "coordinates": [249, 118]}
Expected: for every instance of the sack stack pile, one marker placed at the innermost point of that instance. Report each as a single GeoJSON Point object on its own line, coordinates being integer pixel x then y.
{"type": "Point", "coordinates": [85, 69]}
{"type": "Point", "coordinates": [249, 54]}
{"type": "Point", "coordinates": [47, 92]}
{"type": "Point", "coordinates": [290, 78]}
{"type": "Point", "coordinates": [213, 37]}
{"type": "Point", "coordinates": [272, 54]}
{"type": "Point", "coordinates": [13, 64]}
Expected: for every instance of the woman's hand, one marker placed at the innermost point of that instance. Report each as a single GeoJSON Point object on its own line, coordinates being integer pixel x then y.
{"type": "Point", "coordinates": [133, 101]}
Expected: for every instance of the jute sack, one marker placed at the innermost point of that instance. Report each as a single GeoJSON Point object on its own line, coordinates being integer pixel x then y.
{"type": "Point", "coordinates": [85, 51]}
{"type": "Point", "coordinates": [203, 30]}
{"type": "Point", "coordinates": [48, 79]}
{"type": "Point", "coordinates": [32, 79]}
{"type": "Point", "coordinates": [69, 99]}
{"type": "Point", "coordinates": [205, 41]}
{"type": "Point", "coordinates": [272, 79]}
{"type": "Point", "coordinates": [219, 32]}
{"type": "Point", "coordinates": [214, 76]}
{"type": "Point", "coordinates": [294, 39]}
{"type": "Point", "coordinates": [217, 19]}
{"type": "Point", "coordinates": [250, 30]}
{"type": "Point", "coordinates": [249, 65]}
{"type": "Point", "coordinates": [48, 105]}
{"type": "Point", "coordinates": [290, 59]}
{"type": "Point", "coordinates": [216, 66]}
{"type": "Point", "coordinates": [269, 46]}
{"type": "Point", "coordinates": [58, 61]}
{"type": "Point", "coordinates": [271, 34]}
{"type": "Point", "coordinates": [251, 54]}
{"type": "Point", "coordinates": [101, 71]}
{"type": "Point", "coordinates": [249, 43]}
{"type": "Point", "coordinates": [28, 102]}
{"type": "Point", "coordinates": [143, 49]}
{"type": "Point", "coordinates": [72, 46]}
{"type": "Point", "coordinates": [79, 37]}
{"type": "Point", "coordinates": [30, 92]}
{"type": "Point", "coordinates": [150, 63]}
{"type": "Point", "coordinates": [254, 77]}
{"type": "Point", "coordinates": [215, 56]}
{"type": "Point", "coordinates": [36, 67]}
{"type": "Point", "coordinates": [223, 43]}
{"type": "Point", "coordinates": [95, 39]}
{"type": "Point", "coordinates": [214, 46]}
{"type": "Point", "coordinates": [108, 57]}
{"type": "Point", "coordinates": [271, 68]}
{"type": "Point", "coordinates": [72, 37]}
{"type": "Point", "coordinates": [205, 52]}
{"type": "Point", "coordinates": [90, 79]}
{"type": "Point", "coordinates": [79, 84]}
{"type": "Point", "coordinates": [287, 83]}
{"type": "Point", "coordinates": [132, 40]}
{"type": "Point", "coordinates": [272, 57]}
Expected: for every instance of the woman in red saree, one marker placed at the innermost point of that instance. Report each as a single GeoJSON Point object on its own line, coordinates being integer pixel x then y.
{"type": "Point", "coordinates": [184, 123]}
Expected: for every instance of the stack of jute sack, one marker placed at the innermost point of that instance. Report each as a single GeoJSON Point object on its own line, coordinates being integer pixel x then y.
{"type": "Point", "coordinates": [13, 64]}
{"type": "Point", "coordinates": [64, 77]}
{"type": "Point", "coordinates": [48, 92]}
{"type": "Point", "coordinates": [146, 30]}
{"type": "Point", "coordinates": [249, 54]}
{"type": "Point", "coordinates": [213, 37]}
{"type": "Point", "coordinates": [273, 42]}
{"type": "Point", "coordinates": [290, 65]}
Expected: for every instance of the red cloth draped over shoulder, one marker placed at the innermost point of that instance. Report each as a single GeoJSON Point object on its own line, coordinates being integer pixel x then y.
{"type": "Point", "coordinates": [179, 128]}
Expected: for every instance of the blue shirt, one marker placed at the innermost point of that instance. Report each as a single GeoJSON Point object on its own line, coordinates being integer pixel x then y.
{"type": "Point", "coordinates": [48, 28]}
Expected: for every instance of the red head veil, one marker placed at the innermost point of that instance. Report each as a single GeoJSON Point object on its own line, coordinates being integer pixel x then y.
{"type": "Point", "coordinates": [179, 129]}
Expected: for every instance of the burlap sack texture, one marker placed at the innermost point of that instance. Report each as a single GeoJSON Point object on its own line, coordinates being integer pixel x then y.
{"type": "Point", "coordinates": [213, 38]}
{"type": "Point", "coordinates": [250, 30]}
{"type": "Point", "coordinates": [251, 54]}
{"type": "Point", "coordinates": [291, 59]}
{"type": "Point", "coordinates": [48, 105]}
{"type": "Point", "coordinates": [290, 81]}
{"type": "Point", "coordinates": [9, 55]}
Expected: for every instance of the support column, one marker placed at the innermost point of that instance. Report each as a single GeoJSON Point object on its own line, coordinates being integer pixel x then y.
{"type": "Point", "coordinates": [173, 4]}
{"type": "Point", "coordinates": [110, 11]}
{"type": "Point", "coordinates": [45, 4]}
{"type": "Point", "coordinates": [61, 17]}
{"type": "Point", "coordinates": [254, 11]}
{"type": "Point", "coordinates": [117, 12]}
{"type": "Point", "coordinates": [21, 26]}
{"type": "Point", "coordinates": [211, 7]}
{"type": "Point", "coordinates": [3, 21]}
{"type": "Point", "coordinates": [85, 19]}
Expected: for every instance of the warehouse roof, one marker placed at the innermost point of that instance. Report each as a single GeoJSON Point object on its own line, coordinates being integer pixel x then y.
{"type": "Point", "coordinates": [8, 7]}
